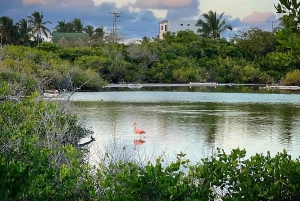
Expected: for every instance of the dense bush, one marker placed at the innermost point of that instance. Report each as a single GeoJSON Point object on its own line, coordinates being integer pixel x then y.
{"type": "Point", "coordinates": [253, 56]}
{"type": "Point", "coordinates": [39, 158]}
{"type": "Point", "coordinates": [226, 176]}
{"type": "Point", "coordinates": [128, 181]}
{"type": "Point", "coordinates": [292, 78]}
{"type": "Point", "coordinates": [257, 178]}
{"type": "Point", "coordinates": [41, 68]}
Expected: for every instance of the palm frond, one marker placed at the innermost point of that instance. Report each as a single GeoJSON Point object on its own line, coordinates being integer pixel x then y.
{"type": "Point", "coordinates": [212, 25]}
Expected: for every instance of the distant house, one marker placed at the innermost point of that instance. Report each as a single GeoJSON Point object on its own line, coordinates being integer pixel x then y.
{"type": "Point", "coordinates": [176, 25]}
{"type": "Point", "coordinates": [77, 39]}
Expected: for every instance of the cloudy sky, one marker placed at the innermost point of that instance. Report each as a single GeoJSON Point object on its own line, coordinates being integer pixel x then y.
{"type": "Point", "coordinates": [141, 17]}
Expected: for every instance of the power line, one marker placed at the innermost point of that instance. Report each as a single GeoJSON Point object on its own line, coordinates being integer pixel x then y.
{"type": "Point", "coordinates": [272, 24]}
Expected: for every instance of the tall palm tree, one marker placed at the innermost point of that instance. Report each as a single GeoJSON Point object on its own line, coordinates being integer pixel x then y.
{"type": "Point", "coordinates": [37, 24]}
{"type": "Point", "coordinates": [23, 30]}
{"type": "Point", "coordinates": [98, 33]}
{"type": "Point", "coordinates": [64, 27]}
{"type": "Point", "coordinates": [213, 25]}
{"type": "Point", "coordinates": [61, 26]}
{"type": "Point", "coordinates": [6, 28]}
{"type": "Point", "coordinates": [70, 27]}
{"type": "Point", "coordinates": [78, 25]}
{"type": "Point", "coordinates": [90, 30]}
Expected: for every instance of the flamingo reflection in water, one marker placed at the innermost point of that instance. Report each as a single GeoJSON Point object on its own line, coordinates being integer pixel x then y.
{"type": "Point", "coordinates": [137, 143]}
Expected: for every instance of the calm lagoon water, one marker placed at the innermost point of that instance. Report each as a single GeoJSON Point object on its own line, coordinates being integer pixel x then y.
{"type": "Point", "coordinates": [194, 122]}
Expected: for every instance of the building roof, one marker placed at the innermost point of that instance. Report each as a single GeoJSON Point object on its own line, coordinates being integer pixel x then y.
{"type": "Point", "coordinates": [164, 21]}
{"type": "Point", "coordinates": [57, 36]}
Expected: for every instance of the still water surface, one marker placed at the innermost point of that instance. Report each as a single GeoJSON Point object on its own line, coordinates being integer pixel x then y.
{"type": "Point", "coordinates": [193, 122]}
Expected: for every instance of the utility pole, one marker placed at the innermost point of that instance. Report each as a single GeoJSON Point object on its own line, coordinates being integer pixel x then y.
{"type": "Point", "coordinates": [114, 29]}
{"type": "Point", "coordinates": [272, 24]}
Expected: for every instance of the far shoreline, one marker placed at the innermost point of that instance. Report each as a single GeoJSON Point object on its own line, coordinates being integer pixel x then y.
{"type": "Point", "coordinates": [205, 84]}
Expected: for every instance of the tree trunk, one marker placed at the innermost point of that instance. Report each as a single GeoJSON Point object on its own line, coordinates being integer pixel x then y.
{"type": "Point", "coordinates": [38, 35]}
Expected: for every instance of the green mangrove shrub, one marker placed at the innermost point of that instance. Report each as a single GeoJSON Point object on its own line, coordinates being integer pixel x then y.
{"type": "Point", "coordinates": [257, 178]}
{"type": "Point", "coordinates": [39, 155]}
{"type": "Point", "coordinates": [292, 78]}
{"type": "Point", "coordinates": [128, 181]}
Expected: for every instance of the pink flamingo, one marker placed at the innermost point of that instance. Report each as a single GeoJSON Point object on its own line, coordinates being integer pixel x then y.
{"type": "Point", "coordinates": [138, 130]}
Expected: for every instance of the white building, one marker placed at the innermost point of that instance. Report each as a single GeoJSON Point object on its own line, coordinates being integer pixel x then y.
{"type": "Point", "coordinates": [176, 25]}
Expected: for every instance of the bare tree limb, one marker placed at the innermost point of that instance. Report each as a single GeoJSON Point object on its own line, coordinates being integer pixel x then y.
{"type": "Point", "coordinates": [87, 143]}
{"type": "Point", "coordinates": [75, 90]}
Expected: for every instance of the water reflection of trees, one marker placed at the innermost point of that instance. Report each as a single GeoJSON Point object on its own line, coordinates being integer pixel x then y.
{"type": "Point", "coordinates": [258, 120]}
{"type": "Point", "coordinates": [209, 122]}
{"type": "Point", "coordinates": [201, 116]}
{"type": "Point", "coordinates": [273, 119]}
{"type": "Point", "coordinates": [277, 121]}
{"type": "Point", "coordinates": [288, 115]}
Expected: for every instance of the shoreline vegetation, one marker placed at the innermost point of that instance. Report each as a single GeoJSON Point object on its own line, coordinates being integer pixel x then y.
{"type": "Point", "coordinates": [41, 157]}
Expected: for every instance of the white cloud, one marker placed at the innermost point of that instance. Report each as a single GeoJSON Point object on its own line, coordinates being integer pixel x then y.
{"type": "Point", "coordinates": [132, 8]}
{"type": "Point", "coordinates": [234, 8]}
{"type": "Point", "coordinates": [163, 4]}
{"type": "Point", "coordinates": [258, 17]}
{"type": "Point", "coordinates": [64, 3]}
{"type": "Point", "coordinates": [238, 8]}
{"type": "Point", "coordinates": [119, 3]}
{"type": "Point", "coordinates": [159, 13]}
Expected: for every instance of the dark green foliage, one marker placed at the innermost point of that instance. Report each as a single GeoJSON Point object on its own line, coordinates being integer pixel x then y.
{"type": "Point", "coordinates": [227, 176]}
{"type": "Point", "coordinates": [38, 155]}
{"type": "Point", "coordinates": [48, 47]}
{"type": "Point", "coordinates": [41, 68]}
{"type": "Point", "coordinates": [128, 181]}
{"type": "Point", "coordinates": [255, 43]}
{"type": "Point", "coordinates": [71, 54]}
{"type": "Point", "coordinates": [292, 7]}
{"type": "Point", "coordinates": [258, 178]}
